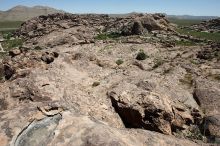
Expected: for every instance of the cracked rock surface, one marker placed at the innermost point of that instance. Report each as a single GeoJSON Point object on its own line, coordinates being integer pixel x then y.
{"type": "Point", "coordinates": [80, 91]}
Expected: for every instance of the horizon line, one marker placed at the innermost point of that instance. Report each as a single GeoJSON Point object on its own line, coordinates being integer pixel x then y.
{"type": "Point", "coordinates": [109, 12]}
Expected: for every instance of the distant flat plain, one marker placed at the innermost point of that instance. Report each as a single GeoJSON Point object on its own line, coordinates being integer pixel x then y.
{"type": "Point", "coordinates": [9, 25]}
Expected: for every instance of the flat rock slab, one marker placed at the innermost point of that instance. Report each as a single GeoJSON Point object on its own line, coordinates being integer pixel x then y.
{"type": "Point", "coordinates": [38, 132]}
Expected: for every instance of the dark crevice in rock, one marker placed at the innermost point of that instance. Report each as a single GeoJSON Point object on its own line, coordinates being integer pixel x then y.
{"type": "Point", "coordinates": [209, 121]}
{"type": "Point", "coordinates": [147, 115]}
{"type": "Point", "coordinates": [133, 119]}
{"type": "Point", "coordinates": [196, 98]}
{"type": "Point", "coordinates": [209, 127]}
{"type": "Point", "coordinates": [149, 119]}
{"type": "Point", "coordinates": [8, 72]}
{"type": "Point", "coordinates": [45, 85]}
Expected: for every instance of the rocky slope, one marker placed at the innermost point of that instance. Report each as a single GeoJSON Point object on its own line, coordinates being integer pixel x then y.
{"type": "Point", "coordinates": [23, 13]}
{"type": "Point", "coordinates": [68, 85]}
{"type": "Point", "coordinates": [212, 25]}
{"type": "Point", "coordinates": [70, 28]}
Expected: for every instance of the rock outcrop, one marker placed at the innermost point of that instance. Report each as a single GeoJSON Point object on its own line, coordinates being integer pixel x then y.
{"type": "Point", "coordinates": [207, 95]}
{"type": "Point", "coordinates": [143, 109]}
{"type": "Point", "coordinates": [64, 87]}
{"type": "Point", "coordinates": [72, 129]}
{"type": "Point", "coordinates": [208, 26]}
{"type": "Point", "coordinates": [58, 29]}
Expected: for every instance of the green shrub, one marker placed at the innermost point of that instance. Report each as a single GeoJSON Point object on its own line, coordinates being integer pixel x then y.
{"type": "Point", "coordinates": [184, 22]}
{"type": "Point", "coordinates": [196, 62]}
{"type": "Point", "coordinates": [105, 36]}
{"type": "Point", "coordinates": [185, 43]}
{"type": "Point", "coordinates": [202, 35]}
{"type": "Point", "coordinates": [119, 62]}
{"type": "Point", "coordinates": [194, 133]}
{"type": "Point", "coordinates": [10, 24]}
{"type": "Point", "coordinates": [7, 35]}
{"type": "Point", "coordinates": [141, 55]}
{"type": "Point", "coordinates": [9, 44]}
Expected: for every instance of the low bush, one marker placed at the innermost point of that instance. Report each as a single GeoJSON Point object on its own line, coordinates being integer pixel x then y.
{"type": "Point", "coordinates": [105, 36]}
{"type": "Point", "coordinates": [141, 55]}
{"type": "Point", "coordinates": [9, 44]}
{"type": "Point", "coordinates": [119, 62]}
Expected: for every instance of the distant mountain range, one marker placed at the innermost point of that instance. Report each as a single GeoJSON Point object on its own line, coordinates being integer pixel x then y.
{"type": "Point", "coordinates": [23, 13]}
{"type": "Point", "coordinates": [188, 17]}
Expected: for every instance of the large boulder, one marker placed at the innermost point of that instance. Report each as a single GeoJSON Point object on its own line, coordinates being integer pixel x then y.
{"type": "Point", "coordinates": [135, 28]}
{"type": "Point", "coordinates": [139, 108]}
{"type": "Point", "coordinates": [145, 23]}
{"type": "Point", "coordinates": [207, 95]}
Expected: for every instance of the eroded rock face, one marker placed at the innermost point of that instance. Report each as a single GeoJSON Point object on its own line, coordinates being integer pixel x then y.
{"type": "Point", "coordinates": [143, 109]}
{"type": "Point", "coordinates": [68, 128]}
{"type": "Point", "coordinates": [207, 95]}
{"type": "Point", "coordinates": [95, 133]}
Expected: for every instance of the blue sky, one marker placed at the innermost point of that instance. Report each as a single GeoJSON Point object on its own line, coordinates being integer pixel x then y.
{"type": "Point", "coordinates": [177, 7]}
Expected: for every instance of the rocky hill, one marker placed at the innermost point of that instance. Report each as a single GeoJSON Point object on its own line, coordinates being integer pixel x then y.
{"type": "Point", "coordinates": [23, 13]}
{"type": "Point", "coordinates": [212, 25]}
{"type": "Point", "coordinates": [85, 80]}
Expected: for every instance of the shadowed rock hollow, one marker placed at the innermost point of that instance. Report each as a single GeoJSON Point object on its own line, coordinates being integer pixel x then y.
{"type": "Point", "coordinates": [66, 86]}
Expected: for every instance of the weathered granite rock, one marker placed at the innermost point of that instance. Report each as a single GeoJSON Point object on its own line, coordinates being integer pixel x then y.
{"type": "Point", "coordinates": [207, 94]}
{"type": "Point", "coordinates": [68, 128]}
{"type": "Point", "coordinates": [148, 110]}
{"type": "Point", "coordinates": [38, 132]}
{"type": "Point", "coordinates": [59, 29]}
